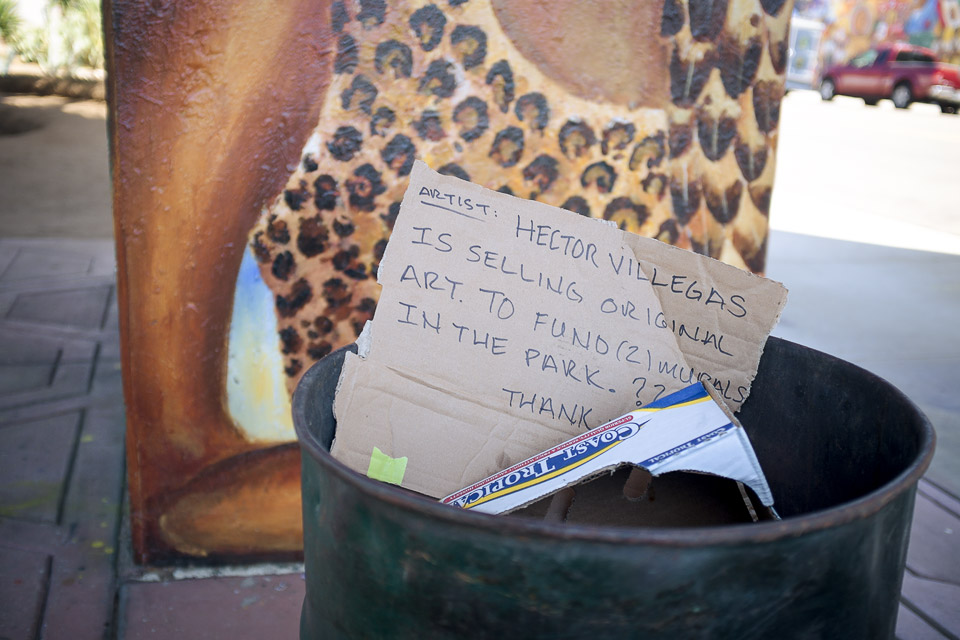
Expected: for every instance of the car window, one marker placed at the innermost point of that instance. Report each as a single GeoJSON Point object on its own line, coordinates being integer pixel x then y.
{"type": "Point", "coordinates": [881, 57]}
{"type": "Point", "coordinates": [923, 58]}
{"type": "Point", "coordinates": [904, 56]}
{"type": "Point", "coordinates": [865, 59]}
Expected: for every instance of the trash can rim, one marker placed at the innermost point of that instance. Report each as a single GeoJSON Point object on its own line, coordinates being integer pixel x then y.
{"type": "Point", "coordinates": [851, 511]}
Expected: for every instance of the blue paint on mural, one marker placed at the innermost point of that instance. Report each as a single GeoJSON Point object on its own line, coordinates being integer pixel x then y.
{"type": "Point", "coordinates": [257, 396]}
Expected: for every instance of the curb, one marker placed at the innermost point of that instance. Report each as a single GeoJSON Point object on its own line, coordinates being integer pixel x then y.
{"type": "Point", "coordinates": [46, 85]}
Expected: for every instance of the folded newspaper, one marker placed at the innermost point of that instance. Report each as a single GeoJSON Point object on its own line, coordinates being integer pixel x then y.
{"type": "Point", "coordinates": [685, 431]}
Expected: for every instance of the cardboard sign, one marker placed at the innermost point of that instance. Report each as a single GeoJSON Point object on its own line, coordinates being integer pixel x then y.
{"type": "Point", "coordinates": [686, 431]}
{"type": "Point", "coordinates": [506, 326]}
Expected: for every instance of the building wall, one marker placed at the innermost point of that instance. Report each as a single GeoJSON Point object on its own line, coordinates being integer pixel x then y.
{"type": "Point", "coordinates": [259, 153]}
{"type": "Point", "coordinates": [853, 26]}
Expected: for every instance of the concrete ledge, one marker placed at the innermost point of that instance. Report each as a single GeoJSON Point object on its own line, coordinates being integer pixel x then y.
{"type": "Point", "coordinates": [47, 85]}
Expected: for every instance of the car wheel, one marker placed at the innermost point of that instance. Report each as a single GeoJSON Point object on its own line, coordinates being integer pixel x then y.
{"type": "Point", "coordinates": [827, 89]}
{"type": "Point", "coordinates": [948, 108]}
{"type": "Point", "coordinates": [901, 96]}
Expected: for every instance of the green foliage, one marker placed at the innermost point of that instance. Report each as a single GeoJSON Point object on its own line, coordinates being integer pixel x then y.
{"type": "Point", "coordinates": [32, 45]}
{"type": "Point", "coordinates": [83, 32]}
{"type": "Point", "coordinates": [73, 37]}
{"type": "Point", "coordinates": [9, 21]}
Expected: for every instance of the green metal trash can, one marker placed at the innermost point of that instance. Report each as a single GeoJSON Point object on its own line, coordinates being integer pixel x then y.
{"type": "Point", "coordinates": [842, 450]}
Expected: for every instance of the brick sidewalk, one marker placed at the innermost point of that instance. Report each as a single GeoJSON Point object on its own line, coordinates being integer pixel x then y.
{"type": "Point", "coordinates": [61, 438]}
{"type": "Point", "coordinates": [64, 563]}
{"type": "Point", "coordinates": [65, 569]}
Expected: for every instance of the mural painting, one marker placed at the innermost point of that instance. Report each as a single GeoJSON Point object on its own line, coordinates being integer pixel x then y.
{"type": "Point", "coordinates": [249, 244]}
{"type": "Point", "coordinates": [853, 26]}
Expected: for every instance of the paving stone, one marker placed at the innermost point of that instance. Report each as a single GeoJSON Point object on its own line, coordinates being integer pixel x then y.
{"type": "Point", "coordinates": [23, 587]}
{"type": "Point", "coordinates": [106, 389]}
{"type": "Point", "coordinates": [251, 607]}
{"type": "Point", "coordinates": [81, 308]}
{"type": "Point", "coordinates": [938, 601]}
{"type": "Point", "coordinates": [945, 468]}
{"type": "Point", "coordinates": [18, 347]}
{"type": "Point", "coordinates": [110, 339]}
{"type": "Point", "coordinates": [81, 596]}
{"type": "Point", "coordinates": [837, 288]}
{"type": "Point", "coordinates": [92, 502]}
{"type": "Point", "coordinates": [7, 298]}
{"type": "Point", "coordinates": [939, 496]}
{"type": "Point", "coordinates": [35, 263]}
{"type": "Point", "coordinates": [34, 460]}
{"type": "Point", "coordinates": [83, 584]}
{"type": "Point", "coordinates": [16, 378]}
{"type": "Point", "coordinates": [910, 626]}
{"type": "Point", "coordinates": [934, 541]}
{"type": "Point", "coordinates": [80, 603]}
{"type": "Point", "coordinates": [42, 537]}
{"type": "Point", "coordinates": [104, 260]}
{"type": "Point", "coordinates": [110, 347]}
{"type": "Point", "coordinates": [68, 380]}
{"type": "Point", "coordinates": [28, 412]}
{"type": "Point", "coordinates": [72, 376]}
{"type": "Point", "coordinates": [38, 411]}
{"type": "Point", "coordinates": [99, 254]}
{"type": "Point", "coordinates": [8, 251]}
{"type": "Point", "coordinates": [112, 322]}
{"type": "Point", "coordinates": [66, 361]}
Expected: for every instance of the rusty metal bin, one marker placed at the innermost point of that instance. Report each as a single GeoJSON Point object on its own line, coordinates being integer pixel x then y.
{"type": "Point", "coordinates": [842, 450]}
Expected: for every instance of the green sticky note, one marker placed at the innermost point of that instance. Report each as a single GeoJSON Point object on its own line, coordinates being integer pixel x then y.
{"type": "Point", "coordinates": [383, 467]}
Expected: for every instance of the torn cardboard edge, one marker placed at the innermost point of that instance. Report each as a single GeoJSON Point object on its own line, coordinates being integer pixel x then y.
{"type": "Point", "coordinates": [422, 393]}
{"type": "Point", "coordinates": [686, 431]}
{"type": "Point", "coordinates": [450, 437]}
{"type": "Point", "coordinates": [662, 264]}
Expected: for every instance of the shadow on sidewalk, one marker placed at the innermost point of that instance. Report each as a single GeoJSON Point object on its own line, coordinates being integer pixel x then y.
{"type": "Point", "coordinates": [54, 171]}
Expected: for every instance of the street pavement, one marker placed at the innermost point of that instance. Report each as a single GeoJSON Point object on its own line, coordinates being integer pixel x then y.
{"type": "Point", "coordinates": [54, 170]}
{"type": "Point", "coordinates": [865, 236]}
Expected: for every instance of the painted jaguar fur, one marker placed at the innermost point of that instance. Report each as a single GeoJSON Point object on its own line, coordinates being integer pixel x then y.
{"type": "Point", "coordinates": [446, 85]}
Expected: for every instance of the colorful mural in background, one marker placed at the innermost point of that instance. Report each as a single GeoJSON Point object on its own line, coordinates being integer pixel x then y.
{"type": "Point", "coordinates": [853, 26]}
{"type": "Point", "coordinates": [255, 190]}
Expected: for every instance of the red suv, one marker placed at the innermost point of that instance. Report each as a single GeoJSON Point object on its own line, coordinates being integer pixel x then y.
{"type": "Point", "coordinates": [902, 72]}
